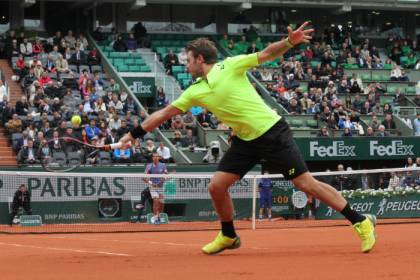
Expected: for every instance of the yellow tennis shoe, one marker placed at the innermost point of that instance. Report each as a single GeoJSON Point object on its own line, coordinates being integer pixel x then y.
{"type": "Point", "coordinates": [366, 231]}
{"type": "Point", "coordinates": [221, 243]}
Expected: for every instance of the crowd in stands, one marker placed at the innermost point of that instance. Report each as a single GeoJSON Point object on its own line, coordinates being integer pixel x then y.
{"type": "Point", "coordinates": [62, 77]}
{"type": "Point", "coordinates": [331, 96]}
{"type": "Point", "coordinates": [383, 180]}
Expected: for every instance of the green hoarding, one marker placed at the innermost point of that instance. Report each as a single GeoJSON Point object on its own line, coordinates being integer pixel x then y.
{"type": "Point", "coordinates": [399, 206]}
{"type": "Point", "coordinates": [142, 87]}
{"type": "Point", "coordinates": [358, 148]}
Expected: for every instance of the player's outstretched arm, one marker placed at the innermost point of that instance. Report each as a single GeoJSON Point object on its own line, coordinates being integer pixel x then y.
{"type": "Point", "coordinates": [152, 122]}
{"type": "Point", "coordinates": [274, 50]}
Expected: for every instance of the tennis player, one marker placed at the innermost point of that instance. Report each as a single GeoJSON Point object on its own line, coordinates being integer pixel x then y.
{"type": "Point", "coordinates": [224, 89]}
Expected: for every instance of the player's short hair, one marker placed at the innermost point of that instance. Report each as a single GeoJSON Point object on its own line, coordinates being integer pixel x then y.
{"type": "Point", "coordinates": [205, 47]}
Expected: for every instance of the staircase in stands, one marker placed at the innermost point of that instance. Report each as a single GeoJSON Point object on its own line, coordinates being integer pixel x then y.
{"type": "Point", "coordinates": [7, 155]}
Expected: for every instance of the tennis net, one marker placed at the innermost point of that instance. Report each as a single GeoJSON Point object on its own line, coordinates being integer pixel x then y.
{"type": "Point", "coordinates": [96, 202]}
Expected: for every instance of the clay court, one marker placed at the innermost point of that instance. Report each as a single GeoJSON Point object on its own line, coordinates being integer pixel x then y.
{"type": "Point", "coordinates": [328, 252]}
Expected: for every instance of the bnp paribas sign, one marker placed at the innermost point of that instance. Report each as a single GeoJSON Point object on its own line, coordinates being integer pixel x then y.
{"type": "Point", "coordinates": [358, 148]}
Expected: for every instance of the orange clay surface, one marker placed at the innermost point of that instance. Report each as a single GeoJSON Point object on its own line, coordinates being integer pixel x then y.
{"type": "Point", "coordinates": [292, 253]}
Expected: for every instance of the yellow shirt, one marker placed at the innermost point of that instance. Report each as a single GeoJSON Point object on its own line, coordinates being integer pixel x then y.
{"type": "Point", "coordinates": [229, 95]}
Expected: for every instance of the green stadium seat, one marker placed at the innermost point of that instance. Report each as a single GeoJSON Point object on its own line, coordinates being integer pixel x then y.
{"type": "Point", "coordinates": [122, 68]}
{"type": "Point", "coordinates": [134, 68]}
{"type": "Point", "coordinates": [118, 61]}
{"type": "Point", "coordinates": [366, 77]}
{"type": "Point", "coordinates": [376, 77]}
{"type": "Point", "coordinates": [135, 55]}
{"type": "Point", "coordinates": [177, 69]}
{"type": "Point", "coordinates": [312, 123]}
{"type": "Point", "coordinates": [145, 68]}
{"type": "Point", "coordinates": [296, 123]}
{"type": "Point", "coordinates": [182, 76]}
{"type": "Point", "coordinates": [129, 61]}
{"type": "Point", "coordinates": [410, 89]}
{"type": "Point", "coordinates": [384, 77]}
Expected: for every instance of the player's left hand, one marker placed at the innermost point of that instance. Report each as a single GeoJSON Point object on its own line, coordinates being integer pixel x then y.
{"type": "Point", "coordinates": [300, 35]}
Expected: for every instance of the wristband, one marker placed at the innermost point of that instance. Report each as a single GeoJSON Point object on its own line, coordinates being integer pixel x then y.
{"type": "Point", "coordinates": [138, 132]}
{"type": "Point", "coordinates": [288, 43]}
{"type": "Point", "coordinates": [115, 146]}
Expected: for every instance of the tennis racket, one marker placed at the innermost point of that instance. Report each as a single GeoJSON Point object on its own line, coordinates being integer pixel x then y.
{"type": "Point", "coordinates": [66, 154]}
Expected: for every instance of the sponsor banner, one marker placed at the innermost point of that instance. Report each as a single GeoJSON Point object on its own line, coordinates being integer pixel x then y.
{"type": "Point", "coordinates": [407, 206]}
{"type": "Point", "coordinates": [142, 87]}
{"type": "Point", "coordinates": [46, 187]}
{"type": "Point", "coordinates": [358, 148]}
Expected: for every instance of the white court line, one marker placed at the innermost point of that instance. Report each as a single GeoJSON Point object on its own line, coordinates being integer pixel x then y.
{"type": "Point", "coordinates": [65, 249]}
{"type": "Point", "coordinates": [143, 242]}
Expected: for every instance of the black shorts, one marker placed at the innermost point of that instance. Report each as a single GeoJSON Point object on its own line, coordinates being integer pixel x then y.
{"type": "Point", "coordinates": [275, 149]}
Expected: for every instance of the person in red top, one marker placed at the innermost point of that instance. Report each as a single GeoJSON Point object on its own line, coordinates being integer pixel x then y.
{"type": "Point", "coordinates": [37, 47]}
{"type": "Point", "coordinates": [20, 67]}
{"type": "Point", "coordinates": [44, 79]}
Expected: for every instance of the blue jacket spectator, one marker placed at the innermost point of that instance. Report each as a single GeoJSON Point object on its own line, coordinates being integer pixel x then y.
{"type": "Point", "coordinates": [92, 130]}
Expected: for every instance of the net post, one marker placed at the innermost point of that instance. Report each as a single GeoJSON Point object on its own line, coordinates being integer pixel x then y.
{"type": "Point", "coordinates": [254, 201]}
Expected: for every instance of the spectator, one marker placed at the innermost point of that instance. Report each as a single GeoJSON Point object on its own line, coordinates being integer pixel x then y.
{"type": "Point", "coordinates": [178, 140]}
{"type": "Point", "coordinates": [78, 57]}
{"type": "Point", "coordinates": [182, 56]}
{"type": "Point", "coordinates": [346, 132]}
{"type": "Point", "coordinates": [370, 132]}
{"type": "Point", "coordinates": [22, 198]}
{"type": "Point", "coordinates": [388, 122]}
{"type": "Point", "coordinates": [119, 45]}
{"type": "Point", "coordinates": [62, 65]}
{"type": "Point", "coordinates": [93, 58]}
{"type": "Point", "coordinates": [170, 60]}
{"type": "Point", "coordinates": [382, 132]}
{"type": "Point", "coordinates": [345, 122]}
{"type": "Point", "coordinates": [28, 154]}
{"type": "Point", "coordinates": [252, 49]}
{"type": "Point", "coordinates": [189, 120]}
{"type": "Point", "coordinates": [416, 125]}
{"type": "Point", "coordinates": [204, 119]}
{"type": "Point", "coordinates": [26, 48]}
{"type": "Point", "coordinates": [122, 155]}
{"type": "Point", "coordinates": [356, 85]}
{"type": "Point", "coordinates": [92, 130]}
{"type": "Point", "coordinates": [161, 100]}
{"type": "Point", "coordinates": [323, 132]}
{"type": "Point", "coordinates": [4, 96]}
{"type": "Point", "coordinates": [409, 180]}
{"type": "Point", "coordinates": [394, 181]}
{"type": "Point", "coordinates": [131, 43]}
{"type": "Point", "coordinates": [14, 125]}
{"type": "Point", "coordinates": [395, 73]}
{"type": "Point", "coordinates": [164, 153]}
{"type": "Point", "coordinates": [116, 104]}
{"type": "Point", "coordinates": [409, 163]}
{"type": "Point", "coordinates": [123, 128]}
{"type": "Point", "coordinates": [342, 181]}
{"type": "Point", "coordinates": [70, 39]}
{"type": "Point", "coordinates": [189, 140]}
{"type": "Point", "coordinates": [37, 48]}
{"type": "Point", "coordinates": [178, 123]}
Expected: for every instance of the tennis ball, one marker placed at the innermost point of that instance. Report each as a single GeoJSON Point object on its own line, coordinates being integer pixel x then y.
{"type": "Point", "coordinates": [76, 120]}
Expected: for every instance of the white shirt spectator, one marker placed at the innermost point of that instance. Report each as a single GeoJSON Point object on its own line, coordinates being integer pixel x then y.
{"type": "Point", "coordinates": [182, 57]}
{"type": "Point", "coordinates": [266, 75]}
{"type": "Point", "coordinates": [394, 182]}
{"type": "Point", "coordinates": [164, 152]}
{"type": "Point", "coordinates": [396, 72]}
{"type": "Point", "coordinates": [416, 126]}
{"type": "Point", "coordinates": [26, 48]}
{"type": "Point", "coordinates": [3, 93]}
